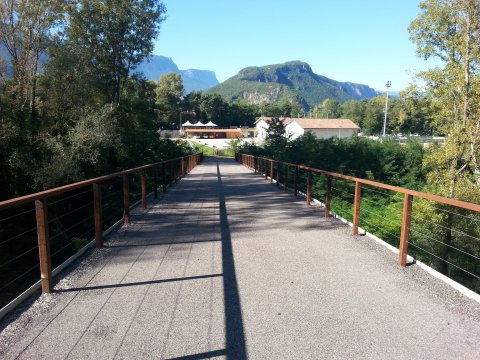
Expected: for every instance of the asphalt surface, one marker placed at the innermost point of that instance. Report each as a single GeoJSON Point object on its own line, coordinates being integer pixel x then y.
{"type": "Point", "coordinates": [225, 265]}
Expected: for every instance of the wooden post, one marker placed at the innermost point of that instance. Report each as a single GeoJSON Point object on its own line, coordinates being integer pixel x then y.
{"type": "Point", "coordinates": [44, 246]}
{"type": "Point", "coordinates": [271, 170]}
{"type": "Point", "coordinates": [182, 173]}
{"type": "Point", "coordinates": [265, 168]}
{"type": "Point", "coordinates": [328, 197]}
{"type": "Point", "coordinates": [405, 235]}
{"type": "Point", "coordinates": [278, 174]}
{"type": "Point", "coordinates": [176, 171]}
{"type": "Point", "coordinates": [356, 207]}
{"type": "Point", "coordinates": [285, 178]}
{"type": "Point", "coordinates": [144, 190]}
{"type": "Point", "coordinates": [126, 199]}
{"type": "Point", "coordinates": [97, 213]}
{"type": "Point", "coordinates": [254, 165]}
{"type": "Point", "coordinates": [295, 181]}
{"type": "Point", "coordinates": [309, 187]}
{"type": "Point", "coordinates": [171, 173]}
{"type": "Point", "coordinates": [155, 183]}
{"type": "Point", "coordinates": [164, 178]}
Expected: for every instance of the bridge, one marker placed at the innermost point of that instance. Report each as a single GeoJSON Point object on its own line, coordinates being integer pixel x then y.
{"type": "Point", "coordinates": [224, 264]}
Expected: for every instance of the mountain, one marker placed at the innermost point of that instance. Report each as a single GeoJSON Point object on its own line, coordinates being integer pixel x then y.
{"type": "Point", "coordinates": [153, 68]}
{"type": "Point", "coordinates": [293, 80]}
{"type": "Point", "coordinates": [193, 79]}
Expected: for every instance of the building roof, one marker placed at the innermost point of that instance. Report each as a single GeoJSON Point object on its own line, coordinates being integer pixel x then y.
{"type": "Point", "coordinates": [213, 131]}
{"type": "Point", "coordinates": [325, 123]}
{"type": "Point", "coordinates": [307, 123]}
{"type": "Point", "coordinates": [267, 119]}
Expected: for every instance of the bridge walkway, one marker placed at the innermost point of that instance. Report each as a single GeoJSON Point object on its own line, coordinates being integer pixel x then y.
{"type": "Point", "coordinates": [225, 265]}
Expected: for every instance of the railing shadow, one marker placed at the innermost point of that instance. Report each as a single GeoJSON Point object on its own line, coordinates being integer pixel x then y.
{"type": "Point", "coordinates": [139, 283]}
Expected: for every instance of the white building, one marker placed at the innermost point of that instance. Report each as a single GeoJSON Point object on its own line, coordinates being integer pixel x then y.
{"type": "Point", "coordinates": [321, 128]}
{"type": "Point", "coordinates": [263, 123]}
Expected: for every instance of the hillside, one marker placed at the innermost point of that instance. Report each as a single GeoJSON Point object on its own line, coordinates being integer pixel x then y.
{"type": "Point", "coordinates": [193, 79]}
{"type": "Point", "coordinates": [293, 80]}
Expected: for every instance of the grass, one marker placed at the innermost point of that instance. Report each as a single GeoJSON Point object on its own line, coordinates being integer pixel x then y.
{"type": "Point", "coordinates": [209, 151]}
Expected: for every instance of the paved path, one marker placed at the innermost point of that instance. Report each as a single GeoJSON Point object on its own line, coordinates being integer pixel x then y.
{"type": "Point", "coordinates": [227, 266]}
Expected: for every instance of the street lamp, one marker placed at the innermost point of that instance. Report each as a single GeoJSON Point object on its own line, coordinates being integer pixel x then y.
{"type": "Point", "coordinates": [388, 84]}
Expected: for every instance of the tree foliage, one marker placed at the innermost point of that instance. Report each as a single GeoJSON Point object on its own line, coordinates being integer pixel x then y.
{"type": "Point", "coordinates": [449, 31]}
{"type": "Point", "coordinates": [24, 32]}
{"type": "Point", "coordinates": [113, 37]}
{"type": "Point", "coordinates": [83, 114]}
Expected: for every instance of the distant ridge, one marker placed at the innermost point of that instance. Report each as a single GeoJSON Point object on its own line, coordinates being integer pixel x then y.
{"type": "Point", "coordinates": [193, 79]}
{"type": "Point", "coordinates": [293, 80]}
{"type": "Point", "coordinates": [152, 68]}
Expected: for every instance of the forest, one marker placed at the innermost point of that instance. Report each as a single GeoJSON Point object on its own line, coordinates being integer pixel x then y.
{"type": "Point", "coordinates": [71, 105]}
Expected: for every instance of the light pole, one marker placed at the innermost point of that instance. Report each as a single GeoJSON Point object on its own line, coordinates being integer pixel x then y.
{"type": "Point", "coordinates": [388, 84]}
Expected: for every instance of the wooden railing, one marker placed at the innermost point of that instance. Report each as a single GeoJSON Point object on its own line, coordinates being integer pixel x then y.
{"type": "Point", "coordinates": [266, 166]}
{"type": "Point", "coordinates": [177, 168]}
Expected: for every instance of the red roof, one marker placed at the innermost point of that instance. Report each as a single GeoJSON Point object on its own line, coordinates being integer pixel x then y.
{"type": "Point", "coordinates": [267, 119]}
{"type": "Point", "coordinates": [306, 123]}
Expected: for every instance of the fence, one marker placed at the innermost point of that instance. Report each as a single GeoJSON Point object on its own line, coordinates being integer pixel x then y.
{"type": "Point", "coordinates": [442, 232]}
{"type": "Point", "coordinates": [47, 223]}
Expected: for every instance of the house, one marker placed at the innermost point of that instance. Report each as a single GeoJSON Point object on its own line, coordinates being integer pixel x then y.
{"type": "Point", "coordinates": [262, 124]}
{"type": "Point", "coordinates": [322, 128]}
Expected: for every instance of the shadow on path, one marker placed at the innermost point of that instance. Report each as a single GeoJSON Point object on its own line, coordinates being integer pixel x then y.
{"type": "Point", "coordinates": [235, 335]}
{"type": "Point", "coordinates": [138, 283]}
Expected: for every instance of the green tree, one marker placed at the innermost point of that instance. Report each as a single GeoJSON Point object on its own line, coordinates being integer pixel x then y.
{"type": "Point", "coordinates": [354, 110]}
{"type": "Point", "coordinates": [329, 109]}
{"type": "Point", "coordinates": [449, 31]}
{"type": "Point", "coordinates": [169, 92]}
{"type": "Point", "coordinates": [416, 111]}
{"type": "Point", "coordinates": [277, 139]}
{"type": "Point", "coordinates": [24, 31]}
{"type": "Point", "coordinates": [374, 116]}
{"type": "Point", "coordinates": [170, 86]}
{"type": "Point", "coordinates": [114, 36]}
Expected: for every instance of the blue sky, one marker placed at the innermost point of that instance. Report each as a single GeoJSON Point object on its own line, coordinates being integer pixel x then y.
{"type": "Point", "coordinates": [362, 41]}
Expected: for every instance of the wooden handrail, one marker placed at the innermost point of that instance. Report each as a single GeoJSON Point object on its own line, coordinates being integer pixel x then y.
{"type": "Point", "coordinates": [7, 204]}
{"type": "Point", "coordinates": [419, 194]}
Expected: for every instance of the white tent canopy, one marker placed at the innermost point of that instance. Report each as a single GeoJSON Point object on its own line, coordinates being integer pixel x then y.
{"type": "Point", "coordinates": [188, 123]}
{"type": "Point", "coordinates": [198, 123]}
{"type": "Point", "coordinates": [210, 124]}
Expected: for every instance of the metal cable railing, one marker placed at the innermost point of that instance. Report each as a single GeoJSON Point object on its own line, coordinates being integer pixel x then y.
{"type": "Point", "coordinates": [40, 231]}
{"type": "Point", "coordinates": [444, 233]}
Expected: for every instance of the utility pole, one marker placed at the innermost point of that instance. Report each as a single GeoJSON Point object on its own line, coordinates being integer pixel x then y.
{"type": "Point", "coordinates": [388, 84]}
